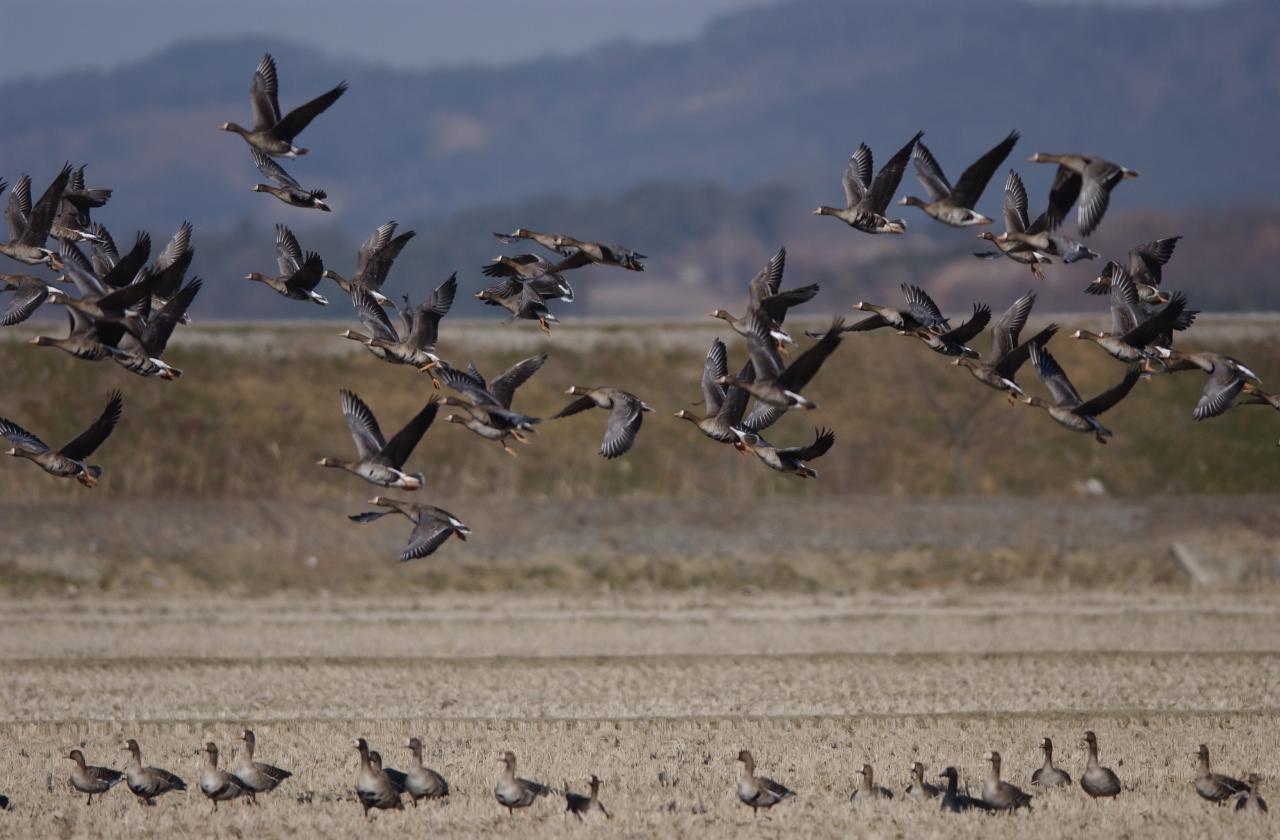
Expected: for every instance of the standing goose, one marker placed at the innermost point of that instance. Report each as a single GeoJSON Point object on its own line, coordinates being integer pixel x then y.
{"type": "Point", "coordinates": [487, 407]}
{"type": "Point", "coordinates": [299, 276]}
{"type": "Point", "coordinates": [29, 294]}
{"type": "Point", "coordinates": [1227, 378]}
{"type": "Point", "coordinates": [396, 777]}
{"type": "Point", "coordinates": [285, 187]}
{"type": "Point", "coordinates": [512, 792]}
{"type": "Point", "coordinates": [255, 776]}
{"type": "Point", "coordinates": [422, 782]}
{"type": "Point", "coordinates": [1007, 356]}
{"type": "Point", "coordinates": [380, 461]}
{"type": "Point", "coordinates": [29, 226]}
{"type": "Point", "coordinates": [531, 268]}
{"type": "Point", "coordinates": [865, 200]}
{"type": "Point", "coordinates": [725, 406]}
{"type": "Point", "coordinates": [772, 383]}
{"type": "Point", "coordinates": [1047, 776]}
{"type": "Point", "coordinates": [1067, 408]}
{"type": "Point", "coordinates": [1097, 781]}
{"type": "Point", "coordinates": [918, 788]}
{"type": "Point", "coordinates": [954, 205]}
{"type": "Point", "coordinates": [626, 413]}
{"type": "Point", "coordinates": [374, 787]}
{"type": "Point", "coordinates": [577, 804]}
{"type": "Point", "coordinates": [432, 525]}
{"type": "Point", "coordinates": [373, 261]}
{"type": "Point", "coordinates": [271, 133]}
{"type": "Point", "coordinates": [789, 459]}
{"type": "Point", "coordinates": [1015, 222]}
{"type": "Point", "coordinates": [1250, 800]}
{"type": "Point", "coordinates": [1146, 268]}
{"type": "Point", "coordinates": [1087, 177]}
{"type": "Point", "coordinates": [868, 790]}
{"type": "Point", "coordinates": [72, 223]}
{"type": "Point", "coordinates": [1000, 795]}
{"type": "Point", "coordinates": [69, 460]}
{"type": "Point", "coordinates": [147, 783]}
{"type": "Point", "coordinates": [953, 801]}
{"type": "Point", "coordinates": [1215, 787]}
{"type": "Point", "coordinates": [758, 791]}
{"type": "Point", "coordinates": [90, 780]}
{"type": "Point", "coordinates": [218, 785]}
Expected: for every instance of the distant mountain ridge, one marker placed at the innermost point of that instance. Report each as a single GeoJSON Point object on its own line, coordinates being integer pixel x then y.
{"type": "Point", "coordinates": [778, 93]}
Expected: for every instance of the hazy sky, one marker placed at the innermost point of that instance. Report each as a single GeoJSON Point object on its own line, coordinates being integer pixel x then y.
{"type": "Point", "coordinates": [405, 33]}
{"type": "Point", "coordinates": [45, 37]}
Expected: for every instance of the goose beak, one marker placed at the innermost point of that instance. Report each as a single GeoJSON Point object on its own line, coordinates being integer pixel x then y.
{"type": "Point", "coordinates": [817, 211]}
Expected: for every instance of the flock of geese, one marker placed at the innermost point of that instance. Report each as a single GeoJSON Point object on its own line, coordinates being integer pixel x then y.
{"type": "Point", "coordinates": [127, 308]}
{"type": "Point", "coordinates": [380, 787]}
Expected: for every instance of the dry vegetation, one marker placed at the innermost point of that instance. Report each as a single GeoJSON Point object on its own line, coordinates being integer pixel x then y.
{"type": "Point", "coordinates": [633, 688]}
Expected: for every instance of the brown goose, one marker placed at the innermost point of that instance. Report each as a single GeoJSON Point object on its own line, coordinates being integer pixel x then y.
{"type": "Point", "coordinates": [380, 461]}
{"type": "Point", "coordinates": [420, 325]}
{"type": "Point", "coordinates": [90, 780]}
{"type": "Point", "coordinates": [1227, 378]}
{"type": "Point", "coordinates": [1047, 776]}
{"type": "Point", "coordinates": [921, 313]}
{"type": "Point", "coordinates": [954, 205]}
{"type": "Point", "coordinates": [432, 525]}
{"type": "Point", "coordinates": [284, 187]}
{"type": "Point", "coordinates": [218, 785]}
{"type": "Point", "coordinates": [626, 413]}
{"type": "Point", "coordinates": [918, 788]}
{"type": "Point", "coordinates": [1067, 408]}
{"type": "Point", "coordinates": [1015, 222]}
{"type": "Point", "coordinates": [531, 268]}
{"type": "Point", "coordinates": [758, 791]}
{"type": "Point", "coordinates": [865, 200]}
{"type": "Point", "coordinates": [256, 777]}
{"type": "Point", "coordinates": [273, 134]}
{"type": "Point", "coordinates": [1007, 356]}
{"type": "Point", "coordinates": [374, 787]}
{"type": "Point", "coordinates": [29, 294]}
{"type": "Point", "coordinates": [1250, 800]}
{"type": "Point", "coordinates": [1146, 268]}
{"type": "Point", "coordinates": [773, 384]}
{"type": "Point", "coordinates": [577, 804]}
{"type": "Point", "coordinates": [68, 461]}
{"type": "Point", "coordinates": [1215, 787]}
{"type": "Point", "coordinates": [373, 261]}
{"type": "Point", "coordinates": [422, 782]}
{"type": "Point", "coordinates": [72, 223]}
{"type": "Point", "coordinates": [1000, 795]}
{"type": "Point", "coordinates": [953, 801]}
{"type": "Point", "coordinates": [487, 407]}
{"type": "Point", "coordinates": [147, 783]}
{"type": "Point", "coordinates": [522, 300]}
{"type": "Point", "coordinates": [1097, 781]}
{"type": "Point", "coordinates": [767, 300]}
{"type": "Point", "coordinates": [577, 252]}
{"type": "Point", "coordinates": [1087, 177]}
{"type": "Point", "coordinates": [788, 459]}
{"type": "Point", "coordinates": [1145, 340]}
{"type": "Point", "coordinates": [299, 275]}
{"type": "Point", "coordinates": [1128, 311]}
{"type": "Point", "coordinates": [140, 352]}
{"type": "Point", "coordinates": [955, 342]}
{"type": "Point", "coordinates": [725, 406]}
{"type": "Point", "coordinates": [868, 790]}
{"type": "Point", "coordinates": [512, 792]}
{"type": "Point", "coordinates": [86, 338]}
{"type": "Point", "coordinates": [29, 226]}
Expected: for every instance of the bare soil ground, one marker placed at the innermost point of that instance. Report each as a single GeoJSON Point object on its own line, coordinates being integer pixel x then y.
{"type": "Point", "coordinates": [653, 693]}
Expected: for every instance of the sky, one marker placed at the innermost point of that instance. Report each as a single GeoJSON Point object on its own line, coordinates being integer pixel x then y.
{"type": "Point", "coordinates": [403, 33]}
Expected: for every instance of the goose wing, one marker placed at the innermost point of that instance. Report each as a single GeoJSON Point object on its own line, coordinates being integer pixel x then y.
{"type": "Point", "coordinates": [889, 177]}
{"type": "Point", "coordinates": [264, 94]}
{"type": "Point", "coordinates": [161, 324]}
{"type": "Point", "coordinates": [401, 445]}
{"type": "Point", "coordinates": [970, 329]}
{"type": "Point", "coordinates": [973, 181]}
{"type": "Point", "coordinates": [857, 176]}
{"type": "Point", "coordinates": [371, 246]}
{"type": "Point", "coordinates": [762, 348]}
{"type": "Point", "coordinates": [84, 444]}
{"type": "Point", "coordinates": [922, 307]}
{"type": "Point", "coordinates": [426, 318]}
{"type": "Point", "coordinates": [362, 425]}
{"type": "Point", "coordinates": [806, 365]}
{"type": "Point", "coordinates": [1095, 194]}
{"type": "Point", "coordinates": [1222, 387]}
{"type": "Point", "coordinates": [40, 219]}
{"type": "Point", "coordinates": [577, 406]}
{"type": "Point", "coordinates": [21, 438]}
{"type": "Point", "coordinates": [292, 123]}
{"type": "Point", "coordinates": [288, 251]}
{"type": "Point", "coordinates": [126, 269]}
{"type": "Point", "coordinates": [1015, 204]}
{"type": "Point", "coordinates": [1009, 364]}
{"type": "Point", "coordinates": [30, 294]}
{"type": "Point", "coordinates": [775, 306]}
{"type": "Point", "coordinates": [1147, 260]}
{"type": "Point", "coordinates": [466, 385]}
{"type": "Point", "coordinates": [1054, 377]}
{"type": "Point", "coordinates": [18, 208]}
{"type": "Point", "coordinates": [372, 315]}
{"type": "Point", "coordinates": [714, 366]}
{"type": "Point", "coordinates": [1004, 335]}
{"type": "Point", "coordinates": [822, 441]}
{"type": "Point", "coordinates": [1125, 309]}
{"type": "Point", "coordinates": [504, 387]}
{"type": "Point", "coordinates": [929, 173]}
{"type": "Point", "coordinates": [1163, 321]}
{"type": "Point", "coordinates": [429, 534]}
{"type": "Point", "coordinates": [273, 171]}
{"type": "Point", "coordinates": [309, 275]}
{"type": "Point", "coordinates": [1111, 396]}
{"type": "Point", "coordinates": [769, 279]}
{"type": "Point", "coordinates": [625, 419]}
{"type": "Point", "coordinates": [1063, 194]}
